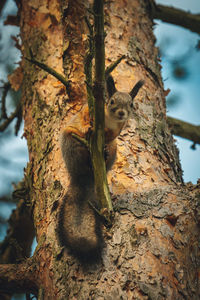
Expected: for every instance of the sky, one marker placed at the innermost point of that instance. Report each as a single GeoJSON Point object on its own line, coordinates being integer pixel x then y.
{"type": "Point", "coordinates": [181, 42]}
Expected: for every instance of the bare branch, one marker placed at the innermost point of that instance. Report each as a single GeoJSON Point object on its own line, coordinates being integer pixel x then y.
{"type": "Point", "coordinates": [18, 241]}
{"type": "Point", "coordinates": [88, 67]}
{"type": "Point", "coordinates": [19, 120]}
{"type": "Point", "coordinates": [184, 130]}
{"type": "Point", "coordinates": [97, 138]}
{"type": "Point", "coordinates": [177, 17]}
{"type": "Point", "coordinates": [12, 20]}
{"type": "Point", "coordinates": [15, 114]}
{"type": "Point", "coordinates": [6, 88]}
{"type": "Point", "coordinates": [6, 199]}
{"type": "Point", "coordinates": [49, 70]}
{"type": "Point", "coordinates": [110, 68]}
{"type": "Point", "coordinates": [2, 3]}
{"type": "Point", "coordinates": [18, 278]}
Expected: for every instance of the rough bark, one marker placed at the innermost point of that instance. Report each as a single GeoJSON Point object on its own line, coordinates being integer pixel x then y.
{"type": "Point", "coordinates": [152, 250]}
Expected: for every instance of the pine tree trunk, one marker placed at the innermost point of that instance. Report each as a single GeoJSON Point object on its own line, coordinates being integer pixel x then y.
{"type": "Point", "coordinates": [152, 250]}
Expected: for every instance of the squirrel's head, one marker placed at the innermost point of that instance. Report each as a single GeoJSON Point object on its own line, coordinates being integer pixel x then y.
{"type": "Point", "coordinates": [119, 104]}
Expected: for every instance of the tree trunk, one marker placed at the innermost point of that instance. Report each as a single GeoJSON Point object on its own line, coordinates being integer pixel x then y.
{"type": "Point", "coordinates": [152, 250]}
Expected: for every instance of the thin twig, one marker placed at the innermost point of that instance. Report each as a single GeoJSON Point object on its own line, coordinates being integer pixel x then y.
{"type": "Point", "coordinates": [6, 123]}
{"type": "Point", "coordinates": [49, 70]}
{"type": "Point", "coordinates": [81, 140]}
{"type": "Point", "coordinates": [110, 68]}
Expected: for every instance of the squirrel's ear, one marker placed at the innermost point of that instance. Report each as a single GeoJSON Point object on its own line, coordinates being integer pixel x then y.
{"type": "Point", "coordinates": [136, 88]}
{"type": "Point", "coordinates": [110, 86]}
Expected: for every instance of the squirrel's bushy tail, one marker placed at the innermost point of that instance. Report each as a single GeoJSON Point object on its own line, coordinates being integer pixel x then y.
{"type": "Point", "coordinates": [79, 228]}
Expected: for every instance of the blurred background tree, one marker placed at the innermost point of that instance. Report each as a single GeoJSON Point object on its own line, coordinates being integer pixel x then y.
{"type": "Point", "coordinates": [180, 60]}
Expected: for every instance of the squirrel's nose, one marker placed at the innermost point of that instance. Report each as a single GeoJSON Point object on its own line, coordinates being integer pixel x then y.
{"type": "Point", "coordinates": [121, 113]}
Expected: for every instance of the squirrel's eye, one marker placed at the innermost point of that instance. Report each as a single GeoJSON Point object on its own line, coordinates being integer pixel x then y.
{"type": "Point", "coordinates": [112, 102]}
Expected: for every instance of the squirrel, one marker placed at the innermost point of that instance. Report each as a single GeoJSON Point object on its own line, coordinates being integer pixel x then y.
{"type": "Point", "coordinates": [79, 227]}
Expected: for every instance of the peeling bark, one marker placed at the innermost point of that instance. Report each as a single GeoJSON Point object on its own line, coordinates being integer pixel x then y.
{"type": "Point", "coordinates": [152, 250]}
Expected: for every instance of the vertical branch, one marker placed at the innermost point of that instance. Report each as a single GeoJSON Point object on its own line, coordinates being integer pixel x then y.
{"type": "Point", "coordinates": [88, 68]}
{"type": "Point", "coordinates": [97, 138]}
{"type": "Point", "coordinates": [99, 36]}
